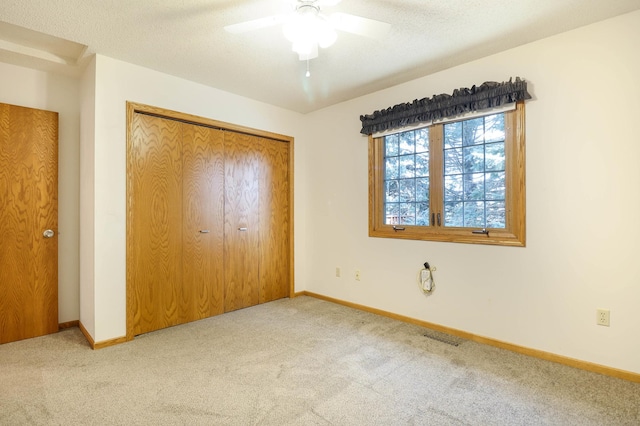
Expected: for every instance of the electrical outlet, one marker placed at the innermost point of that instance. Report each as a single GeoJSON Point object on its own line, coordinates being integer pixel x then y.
{"type": "Point", "coordinates": [358, 276]}
{"type": "Point", "coordinates": [338, 272]}
{"type": "Point", "coordinates": [602, 317]}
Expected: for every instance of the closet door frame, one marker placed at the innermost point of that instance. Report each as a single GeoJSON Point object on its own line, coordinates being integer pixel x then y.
{"type": "Point", "coordinates": [138, 108]}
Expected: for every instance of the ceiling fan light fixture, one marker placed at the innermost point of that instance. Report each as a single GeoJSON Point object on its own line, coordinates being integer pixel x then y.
{"type": "Point", "coordinates": [307, 29]}
{"type": "Point", "coordinates": [326, 35]}
{"type": "Point", "coordinates": [303, 47]}
{"type": "Point", "coordinates": [293, 29]}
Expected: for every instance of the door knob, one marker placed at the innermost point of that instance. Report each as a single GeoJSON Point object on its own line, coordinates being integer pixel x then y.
{"type": "Point", "coordinates": [48, 233]}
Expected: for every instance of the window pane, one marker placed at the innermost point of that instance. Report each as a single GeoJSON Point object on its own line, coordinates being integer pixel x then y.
{"type": "Point", "coordinates": [494, 186]}
{"type": "Point", "coordinates": [422, 164]}
{"type": "Point", "coordinates": [404, 172]}
{"type": "Point", "coordinates": [407, 166]}
{"type": "Point", "coordinates": [391, 145]}
{"type": "Point", "coordinates": [453, 214]}
{"type": "Point", "coordinates": [391, 191]}
{"type": "Point", "coordinates": [407, 143]}
{"type": "Point", "coordinates": [494, 128]}
{"type": "Point", "coordinates": [474, 159]}
{"type": "Point", "coordinates": [391, 168]}
{"type": "Point", "coordinates": [392, 213]}
{"type": "Point", "coordinates": [474, 214]}
{"type": "Point", "coordinates": [453, 135]}
{"type": "Point", "coordinates": [422, 214]}
{"type": "Point", "coordinates": [474, 187]}
{"type": "Point", "coordinates": [453, 188]}
{"type": "Point", "coordinates": [407, 214]}
{"type": "Point", "coordinates": [453, 161]}
{"type": "Point", "coordinates": [407, 190]}
{"type": "Point", "coordinates": [476, 173]}
{"type": "Point", "coordinates": [422, 189]}
{"type": "Point", "coordinates": [422, 140]}
{"type": "Point", "coordinates": [496, 214]}
{"type": "Point", "coordinates": [494, 156]}
{"type": "Point", "coordinates": [473, 131]}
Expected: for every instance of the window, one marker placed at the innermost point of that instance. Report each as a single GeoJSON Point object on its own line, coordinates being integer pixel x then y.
{"type": "Point", "coordinates": [461, 181]}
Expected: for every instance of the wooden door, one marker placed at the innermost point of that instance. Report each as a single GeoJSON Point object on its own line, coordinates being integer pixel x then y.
{"type": "Point", "coordinates": [241, 233]}
{"type": "Point", "coordinates": [29, 207]}
{"type": "Point", "coordinates": [274, 220]}
{"type": "Point", "coordinates": [203, 224]}
{"type": "Point", "coordinates": [154, 243]}
{"type": "Point", "coordinates": [208, 226]}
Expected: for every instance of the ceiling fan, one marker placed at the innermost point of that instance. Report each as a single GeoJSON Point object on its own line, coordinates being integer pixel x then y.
{"type": "Point", "coordinates": [307, 28]}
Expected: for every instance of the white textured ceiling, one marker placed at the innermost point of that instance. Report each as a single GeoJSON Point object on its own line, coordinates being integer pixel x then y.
{"type": "Point", "coordinates": [185, 38]}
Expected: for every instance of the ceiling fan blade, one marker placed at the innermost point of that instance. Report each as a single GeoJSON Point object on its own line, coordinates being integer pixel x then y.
{"type": "Point", "coordinates": [328, 3]}
{"type": "Point", "coordinates": [255, 24]}
{"type": "Point", "coordinates": [359, 25]}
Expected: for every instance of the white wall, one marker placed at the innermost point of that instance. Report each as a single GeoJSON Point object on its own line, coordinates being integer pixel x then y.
{"type": "Point", "coordinates": [582, 206]}
{"type": "Point", "coordinates": [41, 90]}
{"type": "Point", "coordinates": [115, 83]}
{"type": "Point", "coordinates": [87, 196]}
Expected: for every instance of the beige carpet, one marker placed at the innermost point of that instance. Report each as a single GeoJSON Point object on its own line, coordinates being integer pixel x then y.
{"type": "Point", "coordinates": [298, 362]}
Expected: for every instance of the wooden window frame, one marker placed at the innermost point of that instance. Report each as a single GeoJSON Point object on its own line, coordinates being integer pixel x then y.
{"type": "Point", "coordinates": [514, 232]}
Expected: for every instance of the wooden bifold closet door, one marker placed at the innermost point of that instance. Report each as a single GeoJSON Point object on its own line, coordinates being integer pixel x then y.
{"type": "Point", "coordinates": [203, 220]}
{"type": "Point", "coordinates": [275, 212]}
{"type": "Point", "coordinates": [256, 220]}
{"type": "Point", "coordinates": [176, 222]}
{"type": "Point", "coordinates": [241, 233]}
{"type": "Point", "coordinates": [208, 222]}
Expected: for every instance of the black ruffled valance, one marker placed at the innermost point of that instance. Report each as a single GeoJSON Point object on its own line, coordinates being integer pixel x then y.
{"type": "Point", "coordinates": [486, 96]}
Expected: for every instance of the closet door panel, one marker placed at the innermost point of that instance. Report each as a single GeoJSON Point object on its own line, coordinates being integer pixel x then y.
{"type": "Point", "coordinates": [155, 241]}
{"type": "Point", "coordinates": [241, 237]}
{"type": "Point", "coordinates": [274, 220]}
{"type": "Point", "coordinates": [203, 226]}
